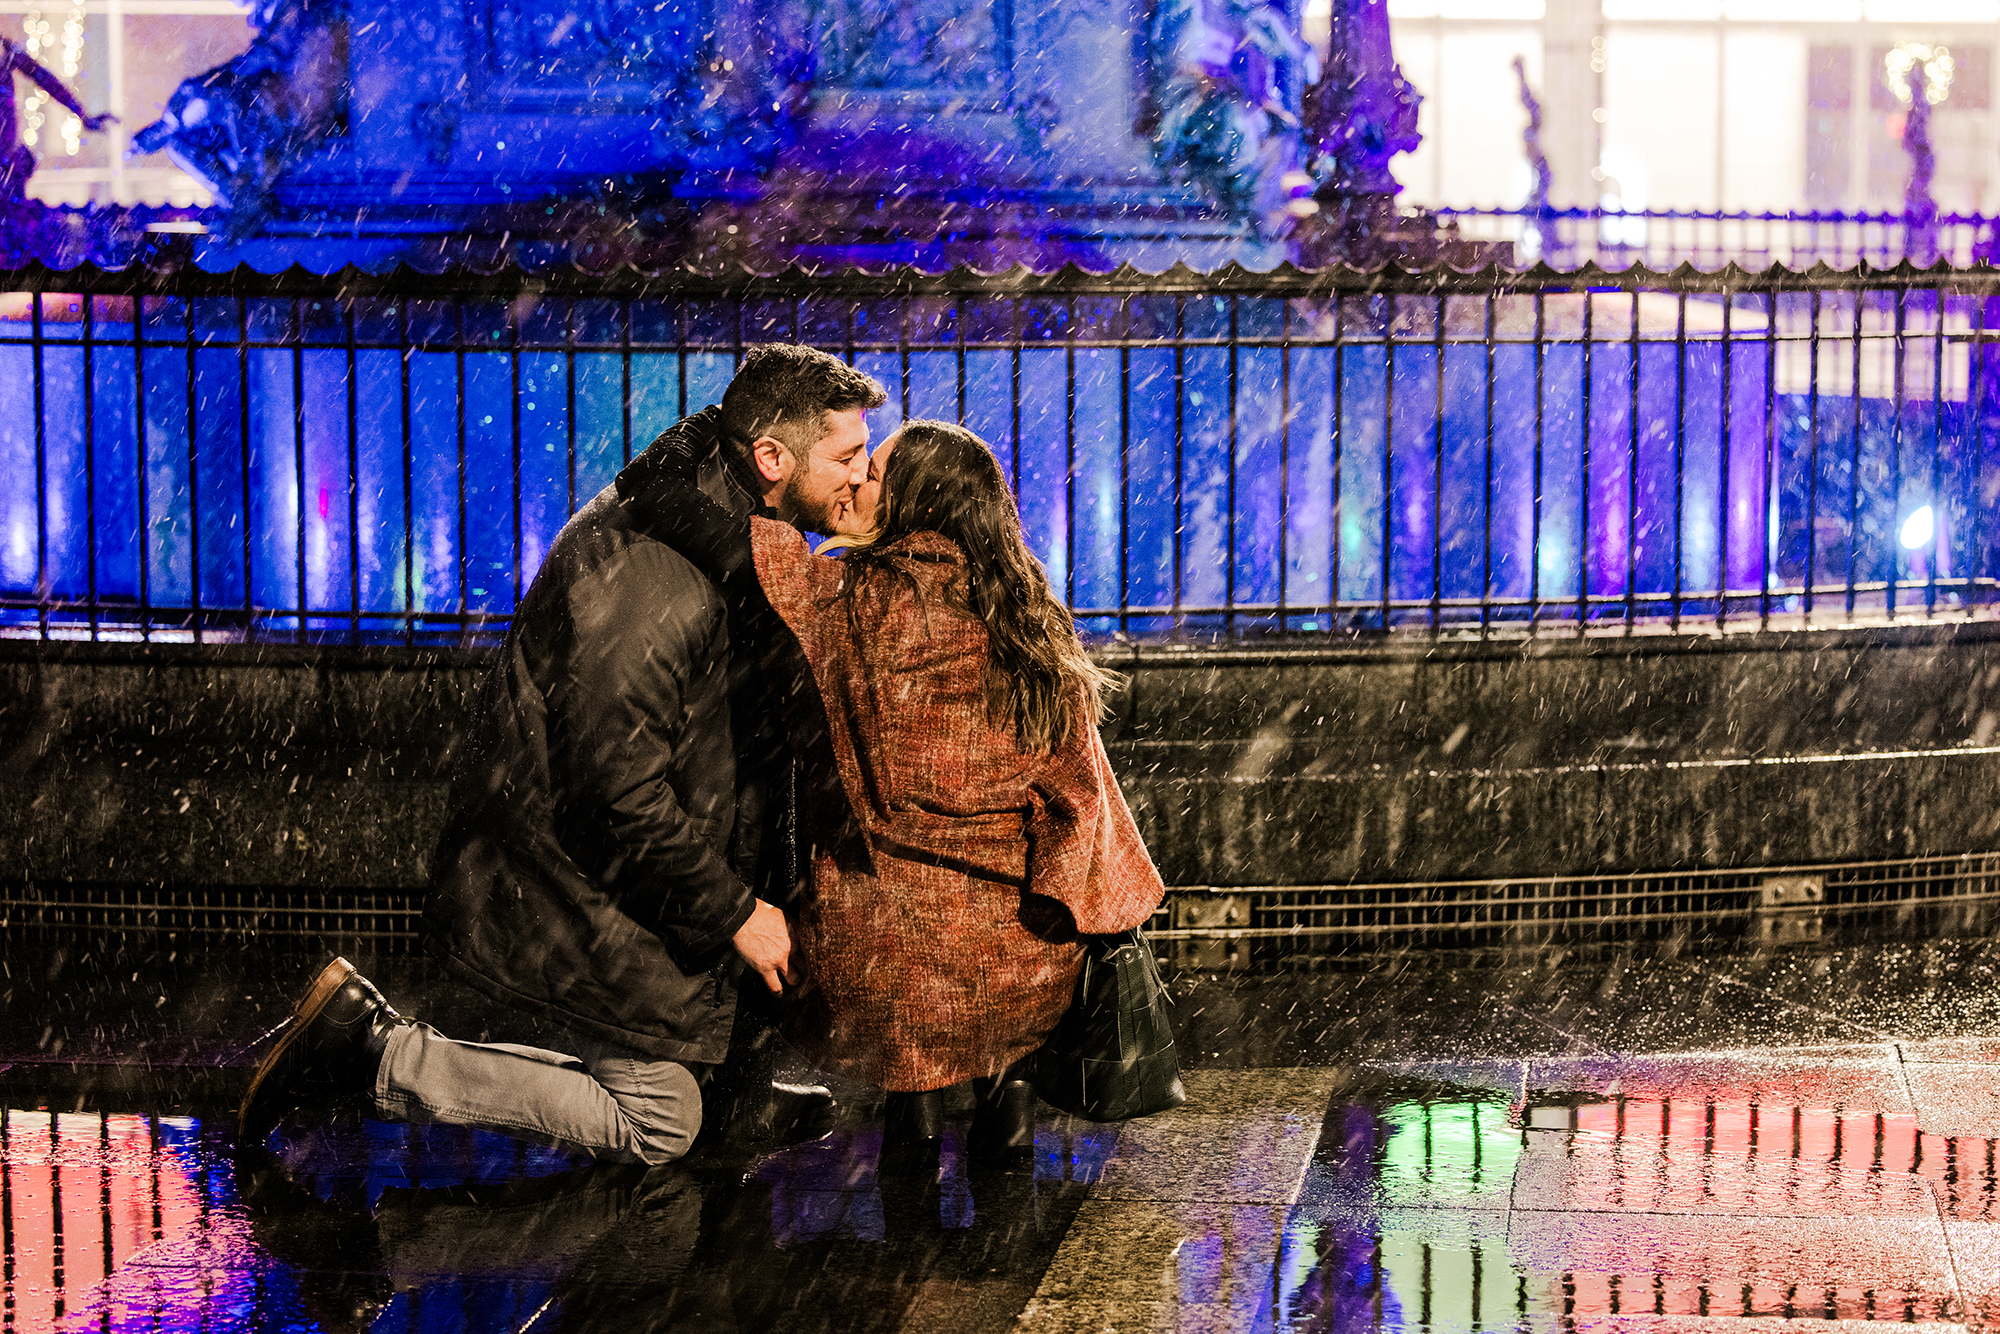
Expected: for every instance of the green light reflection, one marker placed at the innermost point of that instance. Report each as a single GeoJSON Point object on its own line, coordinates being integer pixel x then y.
{"type": "Point", "coordinates": [1443, 1257]}
{"type": "Point", "coordinates": [1447, 1153]}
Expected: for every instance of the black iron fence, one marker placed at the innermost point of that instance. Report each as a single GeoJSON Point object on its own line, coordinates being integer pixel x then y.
{"type": "Point", "coordinates": [368, 458]}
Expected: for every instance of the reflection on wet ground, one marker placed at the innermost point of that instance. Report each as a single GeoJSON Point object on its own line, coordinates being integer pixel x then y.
{"type": "Point", "coordinates": [1797, 1184]}
{"type": "Point", "coordinates": [1615, 1141]}
{"type": "Point", "coordinates": [117, 1221]}
{"type": "Point", "coordinates": [382, 1227]}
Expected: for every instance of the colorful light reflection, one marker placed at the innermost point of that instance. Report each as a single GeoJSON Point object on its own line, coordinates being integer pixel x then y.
{"type": "Point", "coordinates": [83, 1195]}
{"type": "Point", "coordinates": [1445, 1216]}
{"type": "Point", "coordinates": [1747, 1204]}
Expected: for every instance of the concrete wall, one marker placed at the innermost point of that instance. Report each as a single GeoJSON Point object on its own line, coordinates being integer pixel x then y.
{"type": "Point", "coordinates": [299, 768]}
{"type": "Point", "coordinates": [172, 764]}
{"type": "Point", "coordinates": [1436, 762]}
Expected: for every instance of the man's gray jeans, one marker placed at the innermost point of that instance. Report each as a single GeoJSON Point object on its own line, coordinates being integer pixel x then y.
{"type": "Point", "coordinates": [615, 1104]}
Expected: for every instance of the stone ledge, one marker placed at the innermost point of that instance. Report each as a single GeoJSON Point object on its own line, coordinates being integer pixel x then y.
{"type": "Point", "coordinates": [278, 764]}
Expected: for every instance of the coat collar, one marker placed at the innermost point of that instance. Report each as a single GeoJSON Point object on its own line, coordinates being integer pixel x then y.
{"type": "Point", "coordinates": [695, 451]}
{"type": "Point", "coordinates": [925, 546]}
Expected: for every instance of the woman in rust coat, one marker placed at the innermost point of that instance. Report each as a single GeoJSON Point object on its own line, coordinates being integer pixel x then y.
{"type": "Point", "coordinates": [982, 829]}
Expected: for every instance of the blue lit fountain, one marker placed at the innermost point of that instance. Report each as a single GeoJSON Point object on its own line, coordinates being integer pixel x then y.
{"type": "Point", "coordinates": [771, 132]}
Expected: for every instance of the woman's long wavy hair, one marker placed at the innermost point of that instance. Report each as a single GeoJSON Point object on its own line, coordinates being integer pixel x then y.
{"type": "Point", "coordinates": [944, 479]}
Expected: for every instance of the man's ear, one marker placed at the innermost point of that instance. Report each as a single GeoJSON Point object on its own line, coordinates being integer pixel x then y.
{"type": "Point", "coordinates": [772, 458]}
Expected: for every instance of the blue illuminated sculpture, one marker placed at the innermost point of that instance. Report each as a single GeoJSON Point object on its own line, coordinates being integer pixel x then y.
{"type": "Point", "coordinates": [1361, 113]}
{"type": "Point", "coordinates": [28, 229]}
{"type": "Point", "coordinates": [1920, 77]}
{"type": "Point", "coordinates": [236, 127]}
{"type": "Point", "coordinates": [369, 123]}
{"type": "Point", "coordinates": [771, 132]}
{"type": "Point", "coordinates": [1920, 210]}
{"type": "Point", "coordinates": [16, 162]}
{"type": "Point", "coordinates": [1228, 95]}
{"type": "Point", "coordinates": [1540, 177]}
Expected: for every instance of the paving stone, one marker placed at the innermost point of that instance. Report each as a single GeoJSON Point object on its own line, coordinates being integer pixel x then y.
{"type": "Point", "coordinates": [1850, 1078]}
{"type": "Point", "coordinates": [1158, 1259]}
{"type": "Point", "coordinates": [1975, 1251]}
{"type": "Point", "coordinates": [1952, 1050]}
{"type": "Point", "coordinates": [1626, 1174]}
{"type": "Point", "coordinates": [1955, 1100]}
{"type": "Point", "coordinates": [1892, 1267]}
{"type": "Point", "coordinates": [1243, 1137]}
{"type": "Point", "coordinates": [1696, 1324]}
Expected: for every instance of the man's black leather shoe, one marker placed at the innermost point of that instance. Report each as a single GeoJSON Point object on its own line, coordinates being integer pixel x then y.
{"type": "Point", "coordinates": [783, 1115]}
{"type": "Point", "coordinates": [791, 1114]}
{"type": "Point", "coordinates": [330, 1053]}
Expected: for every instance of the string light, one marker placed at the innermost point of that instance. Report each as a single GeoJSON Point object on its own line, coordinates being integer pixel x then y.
{"type": "Point", "coordinates": [72, 61]}
{"type": "Point", "coordinates": [37, 29]}
{"type": "Point", "coordinates": [1938, 68]}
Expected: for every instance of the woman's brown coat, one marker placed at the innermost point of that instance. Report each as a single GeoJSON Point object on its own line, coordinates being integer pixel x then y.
{"type": "Point", "coordinates": [933, 945]}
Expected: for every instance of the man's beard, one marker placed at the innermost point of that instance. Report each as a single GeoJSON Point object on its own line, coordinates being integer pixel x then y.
{"type": "Point", "coordinates": [803, 511]}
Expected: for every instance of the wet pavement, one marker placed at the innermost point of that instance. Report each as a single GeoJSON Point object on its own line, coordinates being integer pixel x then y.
{"type": "Point", "coordinates": [1620, 1138]}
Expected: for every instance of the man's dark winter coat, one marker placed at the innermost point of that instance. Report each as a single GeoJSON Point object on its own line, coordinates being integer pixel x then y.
{"type": "Point", "coordinates": [599, 855]}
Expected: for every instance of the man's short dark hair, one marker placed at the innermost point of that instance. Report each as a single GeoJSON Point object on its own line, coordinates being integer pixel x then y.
{"type": "Point", "coordinates": [785, 390]}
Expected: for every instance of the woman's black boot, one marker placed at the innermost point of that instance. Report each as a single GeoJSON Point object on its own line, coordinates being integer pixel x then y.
{"type": "Point", "coordinates": [1003, 1124]}
{"type": "Point", "coordinates": [912, 1133]}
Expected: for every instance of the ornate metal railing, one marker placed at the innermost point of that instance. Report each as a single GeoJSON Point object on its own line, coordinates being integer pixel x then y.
{"type": "Point", "coordinates": [1664, 238]}
{"type": "Point", "coordinates": [386, 458]}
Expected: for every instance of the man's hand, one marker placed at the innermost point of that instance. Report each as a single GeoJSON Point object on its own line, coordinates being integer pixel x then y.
{"type": "Point", "coordinates": [765, 942]}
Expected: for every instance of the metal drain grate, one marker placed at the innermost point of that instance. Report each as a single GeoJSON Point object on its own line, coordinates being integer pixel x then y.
{"type": "Point", "coordinates": [1225, 926]}
{"type": "Point", "coordinates": [389, 917]}
{"type": "Point", "coordinates": [1217, 926]}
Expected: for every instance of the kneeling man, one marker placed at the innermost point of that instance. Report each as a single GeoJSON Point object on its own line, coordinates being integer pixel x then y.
{"type": "Point", "coordinates": [613, 808]}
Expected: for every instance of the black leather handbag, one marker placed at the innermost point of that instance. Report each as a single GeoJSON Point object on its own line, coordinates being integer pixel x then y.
{"type": "Point", "coordinates": [1112, 1055]}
